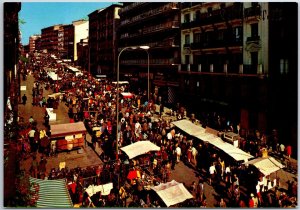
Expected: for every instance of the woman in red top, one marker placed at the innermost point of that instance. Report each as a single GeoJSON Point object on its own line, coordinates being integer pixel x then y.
{"type": "Point", "coordinates": [289, 151]}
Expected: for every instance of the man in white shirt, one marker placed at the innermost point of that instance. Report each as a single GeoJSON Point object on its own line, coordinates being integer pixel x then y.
{"type": "Point", "coordinates": [178, 152]}
{"type": "Point", "coordinates": [212, 172]}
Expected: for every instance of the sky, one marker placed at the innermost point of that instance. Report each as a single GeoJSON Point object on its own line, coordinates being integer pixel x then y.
{"type": "Point", "coordinates": [39, 15]}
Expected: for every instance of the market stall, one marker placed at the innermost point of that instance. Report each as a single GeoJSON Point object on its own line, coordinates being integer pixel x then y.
{"type": "Point", "coordinates": [67, 136]}
{"type": "Point", "coordinates": [189, 127]}
{"type": "Point", "coordinates": [266, 166]}
{"type": "Point", "coordinates": [126, 95]}
{"type": "Point", "coordinates": [52, 193]}
{"type": "Point", "coordinates": [139, 148]}
{"type": "Point", "coordinates": [172, 192]}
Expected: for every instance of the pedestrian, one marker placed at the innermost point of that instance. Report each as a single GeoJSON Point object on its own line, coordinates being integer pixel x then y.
{"type": "Point", "coordinates": [31, 139]}
{"type": "Point", "coordinates": [31, 120]}
{"type": "Point", "coordinates": [178, 152]}
{"type": "Point", "coordinates": [212, 172]}
{"type": "Point", "coordinates": [222, 203]}
{"type": "Point", "coordinates": [24, 99]}
{"type": "Point", "coordinates": [289, 150]}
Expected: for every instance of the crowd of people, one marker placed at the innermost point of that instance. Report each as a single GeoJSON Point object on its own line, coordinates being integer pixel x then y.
{"type": "Point", "coordinates": [94, 101]}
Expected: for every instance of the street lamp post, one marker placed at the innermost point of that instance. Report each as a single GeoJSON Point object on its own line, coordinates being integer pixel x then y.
{"type": "Point", "coordinates": [118, 74]}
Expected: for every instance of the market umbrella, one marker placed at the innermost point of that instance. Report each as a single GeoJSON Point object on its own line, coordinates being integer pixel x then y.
{"type": "Point", "coordinates": [133, 175]}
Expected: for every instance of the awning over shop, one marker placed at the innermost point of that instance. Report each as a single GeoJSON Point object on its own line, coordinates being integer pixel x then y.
{"type": "Point", "coordinates": [189, 127]}
{"type": "Point", "coordinates": [200, 133]}
{"type": "Point", "coordinates": [139, 148]}
{"type": "Point", "coordinates": [127, 95]}
{"type": "Point", "coordinates": [53, 76]}
{"type": "Point", "coordinates": [172, 192]}
{"type": "Point", "coordinates": [67, 129]}
{"type": "Point", "coordinates": [76, 71]}
{"type": "Point", "coordinates": [266, 165]}
{"type": "Point", "coordinates": [235, 153]}
{"type": "Point", "coordinates": [52, 194]}
{"type": "Point", "coordinates": [121, 83]}
{"type": "Point", "coordinates": [104, 189]}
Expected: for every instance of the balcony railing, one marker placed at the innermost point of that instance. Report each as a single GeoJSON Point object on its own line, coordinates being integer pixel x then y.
{"type": "Point", "coordinates": [131, 6]}
{"type": "Point", "coordinates": [150, 13]}
{"type": "Point", "coordinates": [169, 61]}
{"type": "Point", "coordinates": [187, 45]}
{"type": "Point", "coordinates": [252, 11]}
{"type": "Point", "coordinates": [190, 4]}
{"type": "Point", "coordinates": [253, 39]}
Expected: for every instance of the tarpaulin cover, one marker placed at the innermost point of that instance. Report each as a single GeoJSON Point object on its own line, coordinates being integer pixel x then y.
{"type": "Point", "coordinates": [127, 95]}
{"type": "Point", "coordinates": [199, 132]}
{"type": "Point", "coordinates": [172, 192]}
{"type": "Point", "coordinates": [104, 189]}
{"type": "Point", "coordinates": [53, 75]}
{"type": "Point", "coordinates": [266, 165]}
{"type": "Point", "coordinates": [52, 193]}
{"type": "Point", "coordinates": [139, 148]}
{"type": "Point", "coordinates": [67, 129]}
{"type": "Point", "coordinates": [189, 127]}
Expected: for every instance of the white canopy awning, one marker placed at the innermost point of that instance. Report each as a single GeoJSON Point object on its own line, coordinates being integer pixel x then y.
{"type": "Point", "coordinates": [199, 132]}
{"type": "Point", "coordinates": [53, 76]}
{"type": "Point", "coordinates": [231, 150]}
{"type": "Point", "coordinates": [104, 189]}
{"type": "Point", "coordinates": [139, 148]}
{"type": "Point", "coordinates": [172, 192]}
{"type": "Point", "coordinates": [127, 95]}
{"type": "Point", "coordinates": [189, 127]}
{"type": "Point", "coordinates": [266, 165]}
{"type": "Point", "coordinates": [121, 83]}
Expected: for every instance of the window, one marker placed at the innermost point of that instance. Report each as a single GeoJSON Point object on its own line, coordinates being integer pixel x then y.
{"type": "Point", "coordinates": [187, 39]}
{"type": "Point", "coordinates": [284, 66]}
{"type": "Point", "coordinates": [197, 37]}
{"type": "Point", "coordinates": [238, 33]}
{"type": "Point", "coordinates": [187, 59]}
{"type": "Point", "coordinates": [254, 30]}
{"type": "Point", "coordinates": [187, 18]}
{"type": "Point", "coordinates": [209, 11]}
{"type": "Point", "coordinates": [198, 15]}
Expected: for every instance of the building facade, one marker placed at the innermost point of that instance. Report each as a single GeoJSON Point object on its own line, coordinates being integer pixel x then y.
{"type": "Point", "coordinates": [83, 54]}
{"type": "Point", "coordinates": [11, 92]}
{"type": "Point", "coordinates": [32, 42]}
{"type": "Point", "coordinates": [52, 39]}
{"type": "Point", "coordinates": [239, 58]}
{"type": "Point", "coordinates": [155, 25]}
{"type": "Point", "coordinates": [81, 31]}
{"type": "Point", "coordinates": [103, 40]}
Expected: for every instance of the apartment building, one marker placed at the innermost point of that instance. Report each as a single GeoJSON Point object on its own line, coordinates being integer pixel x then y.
{"type": "Point", "coordinates": [241, 58]}
{"type": "Point", "coordinates": [83, 54]}
{"type": "Point", "coordinates": [32, 42]}
{"type": "Point", "coordinates": [81, 31]}
{"type": "Point", "coordinates": [155, 25]}
{"type": "Point", "coordinates": [52, 38]}
{"type": "Point", "coordinates": [103, 25]}
{"type": "Point", "coordinates": [11, 93]}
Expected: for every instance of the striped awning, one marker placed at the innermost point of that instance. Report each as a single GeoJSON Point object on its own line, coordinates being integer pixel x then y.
{"type": "Point", "coordinates": [52, 194]}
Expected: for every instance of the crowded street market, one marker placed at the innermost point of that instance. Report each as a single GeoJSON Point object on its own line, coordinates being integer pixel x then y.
{"type": "Point", "coordinates": [137, 169]}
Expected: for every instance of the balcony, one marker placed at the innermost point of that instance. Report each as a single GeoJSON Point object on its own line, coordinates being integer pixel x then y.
{"type": "Point", "coordinates": [196, 45]}
{"type": "Point", "coordinates": [252, 11]}
{"type": "Point", "coordinates": [185, 25]}
{"type": "Point", "coordinates": [187, 45]}
{"type": "Point", "coordinates": [160, 61]}
{"type": "Point", "coordinates": [130, 7]}
{"type": "Point", "coordinates": [253, 39]}
{"type": "Point", "coordinates": [150, 13]}
{"type": "Point", "coordinates": [190, 4]}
